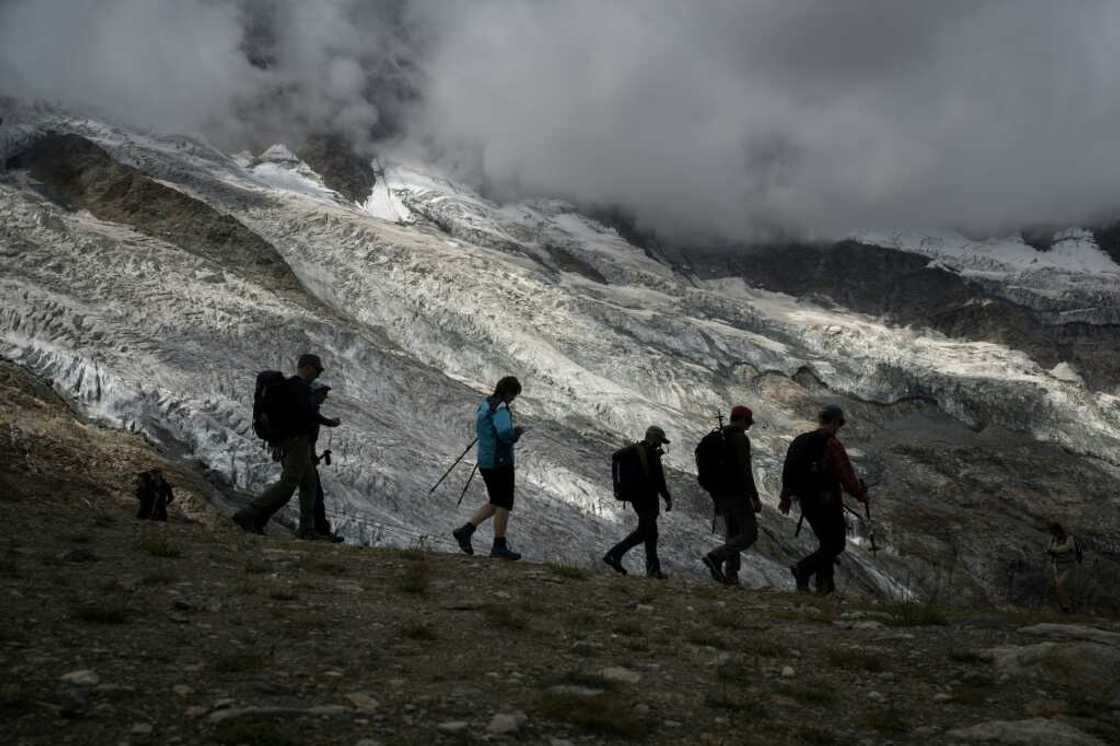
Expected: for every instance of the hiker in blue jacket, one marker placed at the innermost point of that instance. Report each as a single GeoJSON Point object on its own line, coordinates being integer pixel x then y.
{"type": "Point", "coordinates": [496, 436]}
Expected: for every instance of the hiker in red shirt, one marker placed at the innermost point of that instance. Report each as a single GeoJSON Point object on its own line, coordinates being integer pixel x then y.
{"type": "Point", "coordinates": [817, 472]}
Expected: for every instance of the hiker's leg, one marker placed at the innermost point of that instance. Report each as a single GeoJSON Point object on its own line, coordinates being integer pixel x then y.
{"type": "Point", "coordinates": [279, 493]}
{"type": "Point", "coordinates": [322, 525]}
{"type": "Point", "coordinates": [1061, 589]}
{"type": "Point", "coordinates": [811, 563]}
{"type": "Point", "coordinates": [647, 525]}
{"type": "Point", "coordinates": [159, 511]}
{"type": "Point", "coordinates": [145, 510]}
{"type": "Point", "coordinates": [308, 486]}
{"type": "Point", "coordinates": [501, 522]}
{"type": "Point", "coordinates": [833, 537]}
{"type": "Point", "coordinates": [485, 513]}
{"type": "Point", "coordinates": [745, 534]}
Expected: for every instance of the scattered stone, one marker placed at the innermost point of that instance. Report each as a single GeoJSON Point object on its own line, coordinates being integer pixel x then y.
{"type": "Point", "coordinates": [78, 555]}
{"type": "Point", "coordinates": [1073, 632]}
{"type": "Point", "coordinates": [1037, 731]}
{"type": "Point", "coordinates": [672, 724]}
{"type": "Point", "coordinates": [875, 696]}
{"type": "Point", "coordinates": [1086, 665]}
{"type": "Point", "coordinates": [641, 708]}
{"type": "Point", "coordinates": [453, 726]}
{"type": "Point", "coordinates": [182, 690]}
{"type": "Point", "coordinates": [233, 713]}
{"type": "Point", "coordinates": [788, 672]}
{"type": "Point", "coordinates": [142, 729]}
{"type": "Point", "coordinates": [559, 742]}
{"type": "Point", "coordinates": [620, 674]}
{"type": "Point", "coordinates": [573, 690]}
{"type": "Point", "coordinates": [942, 697]}
{"type": "Point", "coordinates": [195, 712]}
{"type": "Point", "coordinates": [504, 723]}
{"type": "Point", "coordinates": [368, 742]}
{"type": "Point", "coordinates": [1045, 708]}
{"type": "Point", "coordinates": [81, 678]}
{"type": "Point", "coordinates": [643, 607]}
{"type": "Point", "coordinates": [362, 701]}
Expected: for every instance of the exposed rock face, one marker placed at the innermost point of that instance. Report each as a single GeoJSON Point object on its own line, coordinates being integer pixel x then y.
{"type": "Point", "coordinates": [907, 290]}
{"type": "Point", "coordinates": [343, 170]}
{"type": "Point", "coordinates": [80, 175]}
{"type": "Point", "coordinates": [1034, 732]}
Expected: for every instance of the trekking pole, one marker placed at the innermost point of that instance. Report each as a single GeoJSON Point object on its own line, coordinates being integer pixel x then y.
{"type": "Point", "coordinates": [468, 484]}
{"type": "Point", "coordinates": [800, 520]}
{"type": "Point", "coordinates": [462, 456]}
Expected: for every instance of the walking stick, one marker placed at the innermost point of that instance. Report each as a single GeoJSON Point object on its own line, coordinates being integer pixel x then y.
{"type": "Point", "coordinates": [456, 463]}
{"type": "Point", "coordinates": [800, 520]}
{"type": "Point", "coordinates": [468, 484]}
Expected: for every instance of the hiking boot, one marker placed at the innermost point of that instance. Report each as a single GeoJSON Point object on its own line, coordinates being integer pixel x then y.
{"type": "Point", "coordinates": [311, 536]}
{"type": "Point", "coordinates": [247, 523]}
{"type": "Point", "coordinates": [502, 551]}
{"type": "Point", "coordinates": [731, 580]}
{"type": "Point", "coordinates": [463, 535]}
{"type": "Point", "coordinates": [615, 563]}
{"type": "Point", "coordinates": [713, 567]}
{"type": "Point", "coordinates": [801, 580]}
{"type": "Point", "coordinates": [825, 587]}
{"type": "Point", "coordinates": [656, 574]}
{"type": "Point", "coordinates": [331, 537]}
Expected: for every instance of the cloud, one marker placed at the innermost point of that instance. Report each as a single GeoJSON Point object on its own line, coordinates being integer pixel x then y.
{"type": "Point", "coordinates": [714, 121]}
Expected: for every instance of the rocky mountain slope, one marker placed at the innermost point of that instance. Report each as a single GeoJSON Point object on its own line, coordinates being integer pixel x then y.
{"type": "Point", "coordinates": [191, 632]}
{"type": "Point", "coordinates": [126, 282]}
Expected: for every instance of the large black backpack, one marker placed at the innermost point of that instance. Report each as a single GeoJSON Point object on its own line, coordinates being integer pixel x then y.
{"type": "Point", "coordinates": [269, 406]}
{"type": "Point", "coordinates": [804, 473]}
{"type": "Point", "coordinates": [629, 471]}
{"type": "Point", "coordinates": [711, 460]}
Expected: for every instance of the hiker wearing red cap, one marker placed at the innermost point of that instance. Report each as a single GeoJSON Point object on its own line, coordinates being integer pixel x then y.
{"type": "Point", "coordinates": [736, 499]}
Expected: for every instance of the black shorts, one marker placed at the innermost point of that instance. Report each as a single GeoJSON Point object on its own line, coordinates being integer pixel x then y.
{"type": "Point", "coordinates": [499, 485]}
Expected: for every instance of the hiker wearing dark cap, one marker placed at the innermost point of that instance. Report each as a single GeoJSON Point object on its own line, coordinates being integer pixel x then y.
{"type": "Point", "coordinates": [496, 437]}
{"type": "Point", "coordinates": [1065, 556]}
{"type": "Point", "coordinates": [300, 417]}
{"type": "Point", "coordinates": [816, 473]}
{"type": "Point", "coordinates": [154, 494]}
{"type": "Point", "coordinates": [736, 500]}
{"type": "Point", "coordinates": [640, 479]}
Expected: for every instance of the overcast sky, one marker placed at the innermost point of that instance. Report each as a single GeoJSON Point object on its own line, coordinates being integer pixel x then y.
{"type": "Point", "coordinates": [706, 120]}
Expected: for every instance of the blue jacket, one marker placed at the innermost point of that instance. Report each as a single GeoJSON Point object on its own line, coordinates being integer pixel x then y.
{"type": "Point", "coordinates": [496, 435]}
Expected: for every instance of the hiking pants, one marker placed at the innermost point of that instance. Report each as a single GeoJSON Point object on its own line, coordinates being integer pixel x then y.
{"type": "Point", "coordinates": [646, 532]}
{"type": "Point", "coordinates": [831, 531]}
{"type": "Point", "coordinates": [322, 525]}
{"type": "Point", "coordinates": [740, 532]}
{"type": "Point", "coordinates": [298, 473]}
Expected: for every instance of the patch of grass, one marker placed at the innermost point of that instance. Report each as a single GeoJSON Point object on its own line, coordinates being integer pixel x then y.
{"type": "Point", "coordinates": [810, 692]}
{"type": "Point", "coordinates": [706, 639]}
{"type": "Point", "coordinates": [628, 628]}
{"type": "Point", "coordinates": [282, 594]}
{"type": "Point", "coordinates": [160, 576]}
{"type": "Point", "coordinates": [766, 648]}
{"type": "Point", "coordinates": [584, 679]}
{"type": "Point", "coordinates": [915, 614]}
{"type": "Point", "coordinates": [240, 732]}
{"type": "Point", "coordinates": [326, 567]}
{"type": "Point", "coordinates": [255, 566]}
{"type": "Point", "coordinates": [727, 620]}
{"type": "Point", "coordinates": [889, 721]}
{"type": "Point", "coordinates": [241, 661]}
{"type": "Point", "coordinates": [570, 572]}
{"type": "Point", "coordinates": [736, 672]}
{"type": "Point", "coordinates": [105, 611]}
{"type": "Point", "coordinates": [602, 714]}
{"type": "Point", "coordinates": [104, 520]}
{"type": "Point", "coordinates": [416, 578]}
{"type": "Point", "coordinates": [638, 646]}
{"type": "Point", "coordinates": [583, 620]}
{"type": "Point", "coordinates": [79, 538]}
{"type": "Point", "coordinates": [740, 706]}
{"type": "Point", "coordinates": [158, 545]}
{"type": "Point", "coordinates": [419, 631]}
{"type": "Point", "coordinates": [819, 737]}
{"type": "Point", "coordinates": [504, 617]}
{"type": "Point", "coordinates": [856, 660]}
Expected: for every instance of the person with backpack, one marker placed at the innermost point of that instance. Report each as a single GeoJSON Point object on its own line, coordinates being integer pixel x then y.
{"type": "Point", "coordinates": [285, 415]}
{"type": "Point", "coordinates": [496, 436]}
{"type": "Point", "coordinates": [816, 473]}
{"type": "Point", "coordinates": [154, 494]}
{"type": "Point", "coordinates": [640, 480]}
{"type": "Point", "coordinates": [1065, 556]}
{"type": "Point", "coordinates": [723, 464]}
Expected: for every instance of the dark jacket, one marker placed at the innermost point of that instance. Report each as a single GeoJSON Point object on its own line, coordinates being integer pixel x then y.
{"type": "Point", "coordinates": [738, 482]}
{"type": "Point", "coordinates": [301, 415]}
{"type": "Point", "coordinates": [836, 474]}
{"type": "Point", "coordinates": [647, 481]}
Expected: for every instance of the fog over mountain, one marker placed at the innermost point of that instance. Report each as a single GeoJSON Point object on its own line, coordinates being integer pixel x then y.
{"type": "Point", "coordinates": [732, 120]}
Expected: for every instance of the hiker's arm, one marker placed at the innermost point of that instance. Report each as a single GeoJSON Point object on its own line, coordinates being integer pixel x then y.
{"type": "Point", "coordinates": [663, 487]}
{"type": "Point", "coordinates": [503, 424]}
{"type": "Point", "coordinates": [842, 471]}
{"type": "Point", "coordinates": [327, 421]}
{"type": "Point", "coordinates": [169, 494]}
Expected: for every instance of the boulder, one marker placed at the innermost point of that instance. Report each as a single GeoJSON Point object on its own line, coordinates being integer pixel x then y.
{"type": "Point", "coordinates": [1034, 732]}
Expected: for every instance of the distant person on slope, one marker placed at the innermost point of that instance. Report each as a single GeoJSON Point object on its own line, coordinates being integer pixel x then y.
{"type": "Point", "coordinates": [639, 479]}
{"type": "Point", "coordinates": [816, 472]}
{"type": "Point", "coordinates": [323, 528]}
{"type": "Point", "coordinates": [496, 436]}
{"type": "Point", "coordinates": [154, 494]}
{"type": "Point", "coordinates": [300, 417]}
{"type": "Point", "coordinates": [736, 499]}
{"type": "Point", "coordinates": [1065, 555]}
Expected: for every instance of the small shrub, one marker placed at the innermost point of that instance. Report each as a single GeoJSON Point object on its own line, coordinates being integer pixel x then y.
{"type": "Point", "coordinates": [252, 733]}
{"type": "Point", "coordinates": [727, 620]}
{"type": "Point", "coordinates": [856, 660]}
{"type": "Point", "coordinates": [916, 614]}
{"type": "Point", "coordinates": [601, 714]}
{"type": "Point", "coordinates": [416, 578]}
{"type": "Point", "coordinates": [736, 672]}
{"type": "Point", "coordinates": [160, 576]}
{"type": "Point", "coordinates": [415, 554]}
{"type": "Point", "coordinates": [158, 545]}
{"type": "Point", "coordinates": [584, 679]}
{"type": "Point", "coordinates": [240, 661]}
{"type": "Point", "coordinates": [628, 628]}
{"type": "Point", "coordinates": [707, 640]}
{"type": "Point", "coordinates": [810, 692]}
{"type": "Point", "coordinates": [282, 594]}
{"type": "Point", "coordinates": [571, 572]}
{"type": "Point", "coordinates": [324, 567]}
{"type": "Point", "coordinates": [741, 706]}
{"type": "Point", "coordinates": [255, 566]}
{"type": "Point", "coordinates": [500, 615]}
{"type": "Point", "coordinates": [104, 611]}
{"type": "Point", "coordinates": [766, 648]}
{"type": "Point", "coordinates": [419, 631]}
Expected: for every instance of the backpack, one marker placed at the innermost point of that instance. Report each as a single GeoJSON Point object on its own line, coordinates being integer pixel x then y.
{"type": "Point", "coordinates": [804, 473]}
{"type": "Point", "coordinates": [268, 406]}
{"type": "Point", "coordinates": [629, 471]}
{"type": "Point", "coordinates": [711, 460]}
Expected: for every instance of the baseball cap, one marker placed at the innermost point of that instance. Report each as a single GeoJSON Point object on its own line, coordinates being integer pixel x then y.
{"type": "Point", "coordinates": [832, 413]}
{"type": "Point", "coordinates": [307, 359]}
{"type": "Point", "coordinates": [655, 435]}
{"type": "Point", "coordinates": [741, 412]}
